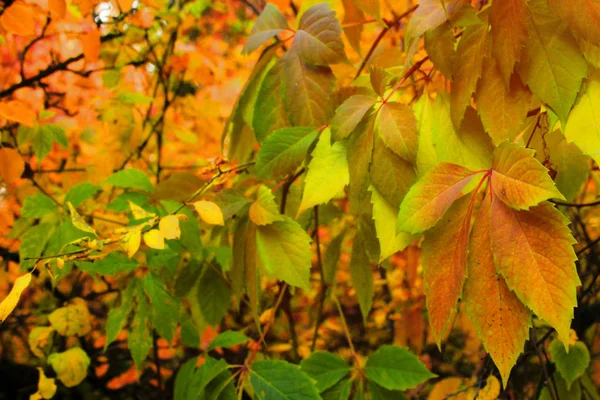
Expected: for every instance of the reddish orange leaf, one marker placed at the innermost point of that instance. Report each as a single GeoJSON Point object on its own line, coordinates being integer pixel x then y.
{"type": "Point", "coordinates": [58, 7]}
{"type": "Point", "coordinates": [533, 250]}
{"type": "Point", "coordinates": [11, 165]}
{"type": "Point", "coordinates": [90, 42]}
{"type": "Point", "coordinates": [519, 180]}
{"type": "Point", "coordinates": [17, 111]}
{"type": "Point", "coordinates": [19, 19]}
{"type": "Point", "coordinates": [500, 319]}
{"type": "Point", "coordinates": [445, 266]}
{"type": "Point", "coordinates": [428, 199]}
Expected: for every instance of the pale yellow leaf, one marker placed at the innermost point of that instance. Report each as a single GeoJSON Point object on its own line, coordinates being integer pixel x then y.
{"type": "Point", "coordinates": [154, 239]}
{"type": "Point", "coordinates": [209, 212]}
{"type": "Point", "coordinates": [169, 227]}
{"type": "Point", "coordinates": [130, 242]}
{"type": "Point", "coordinates": [70, 366]}
{"type": "Point", "coordinates": [46, 387]}
{"type": "Point", "coordinates": [79, 222]}
{"type": "Point", "coordinates": [73, 319]}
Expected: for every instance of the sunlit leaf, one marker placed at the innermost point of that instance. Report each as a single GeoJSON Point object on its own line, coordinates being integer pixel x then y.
{"type": "Point", "coordinates": [397, 126]}
{"type": "Point", "coordinates": [41, 339]}
{"type": "Point", "coordinates": [12, 165]}
{"type": "Point", "coordinates": [283, 151]}
{"type": "Point", "coordinates": [349, 114]}
{"type": "Point", "coordinates": [79, 222]}
{"type": "Point", "coordinates": [264, 210]}
{"type": "Point", "coordinates": [70, 366]}
{"type": "Point", "coordinates": [10, 302]}
{"type": "Point", "coordinates": [429, 15]}
{"type": "Point", "coordinates": [46, 387]}
{"type": "Point", "coordinates": [318, 39]}
{"type": "Point", "coordinates": [169, 227]}
{"type": "Point", "coordinates": [209, 212]}
{"type": "Point", "coordinates": [509, 32]}
{"type": "Point", "coordinates": [269, 24]}
{"type": "Point", "coordinates": [154, 239]}
{"type": "Point", "coordinates": [73, 319]}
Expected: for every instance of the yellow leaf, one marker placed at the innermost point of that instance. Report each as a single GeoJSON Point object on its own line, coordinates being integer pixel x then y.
{"type": "Point", "coordinates": [73, 319]}
{"type": "Point", "coordinates": [40, 340]}
{"type": "Point", "coordinates": [130, 242]}
{"type": "Point", "coordinates": [138, 212]}
{"type": "Point", "coordinates": [11, 165]}
{"type": "Point", "coordinates": [10, 302]}
{"type": "Point", "coordinates": [46, 387]}
{"type": "Point", "coordinates": [154, 239]}
{"type": "Point", "coordinates": [70, 366]}
{"type": "Point", "coordinates": [79, 222]}
{"type": "Point", "coordinates": [19, 20]}
{"type": "Point", "coordinates": [500, 319]}
{"type": "Point", "coordinates": [17, 111]}
{"type": "Point", "coordinates": [169, 227]}
{"type": "Point", "coordinates": [462, 389]}
{"type": "Point", "coordinates": [209, 212]}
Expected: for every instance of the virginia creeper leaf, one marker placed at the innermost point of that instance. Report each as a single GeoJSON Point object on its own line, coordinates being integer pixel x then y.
{"type": "Point", "coordinates": [582, 16]}
{"type": "Point", "coordinates": [264, 210]}
{"type": "Point", "coordinates": [502, 322]}
{"type": "Point", "coordinates": [397, 126]}
{"type": "Point", "coordinates": [509, 32]}
{"type": "Point", "coordinates": [269, 110]}
{"type": "Point", "coordinates": [280, 380]}
{"type": "Point", "coordinates": [429, 15]}
{"type": "Point", "coordinates": [325, 368]}
{"type": "Point", "coordinates": [70, 366]}
{"type": "Point", "coordinates": [269, 23]}
{"type": "Point", "coordinates": [519, 180]}
{"type": "Point", "coordinates": [353, 21]}
{"type": "Point", "coordinates": [227, 339]}
{"type": "Point", "coordinates": [349, 114]}
{"type": "Point", "coordinates": [396, 368]}
{"type": "Point", "coordinates": [429, 198]}
{"type": "Point", "coordinates": [318, 39]}
{"type": "Point", "coordinates": [360, 155]}
{"type": "Point", "coordinates": [426, 152]}
{"type": "Point", "coordinates": [361, 274]}
{"type": "Point", "coordinates": [439, 44]}
{"type": "Point", "coordinates": [533, 250]}
{"type": "Point", "coordinates": [283, 151]}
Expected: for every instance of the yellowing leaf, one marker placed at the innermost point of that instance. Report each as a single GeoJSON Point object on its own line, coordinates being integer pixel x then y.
{"type": "Point", "coordinates": [519, 180]}
{"type": "Point", "coordinates": [19, 19]}
{"type": "Point", "coordinates": [349, 114]}
{"type": "Point", "coordinates": [552, 64]}
{"type": "Point", "coordinates": [40, 340]}
{"type": "Point", "coordinates": [46, 387]}
{"type": "Point", "coordinates": [10, 302]}
{"type": "Point", "coordinates": [79, 222]}
{"type": "Point", "coordinates": [73, 319]}
{"type": "Point", "coordinates": [471, 50]}
{"type": "Point", "coordinates": [70, 366]}
{"type": "Point", "coordinates": [509, 31]}
{"type": "Point", "coordinates": [154, 239]}
{"type": "Point", "coordinates": [430, 14]}
{"type": "Point", "coordinates": [503, 109]}
{"type": "Point", "coordinates": [361, 274]}
{"type": "Point", "coordinates": [138, 212]}
{"type": "Point", "coordinates": [264, 210]}
{"type": "Point", "coordinates": [131, 240]}
{"type": "Point", "coordinates": [533, 250]}
{"type": "Point", "coordinates": [353, 24]}
{"type": "Point", "coordinates": [209, 212]}
{"type": "Point", "coordinates": [12, 165]}
{"type": "Point", "coordinates": [445, 266]}
{"type": "Point", "coordinates": [269, 24]}
{"type": "Point", "coordinates": [397, 126]}
{"type": "Point", "coordinates": [16, 110]}
{"type": "Point", "coordinates": [360, 155]}
{"type": "Point", "coordinates": [462, 389]}
{"type": "Point", "coordinates": [318, 39]}
{"type": "Point", "coordinates": [327, 172]}
{"type": "Point", "coordinates": [428, 199]}
{"type": "Point", "coordinates": [582, 16]}
{"type": "Point", "coordinates": [500, 319]}
{"type": "Point", "coordinates": [169, 227]}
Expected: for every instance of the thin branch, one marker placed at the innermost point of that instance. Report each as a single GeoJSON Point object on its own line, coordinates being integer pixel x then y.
{"type": "Point", "coordinates": [548, 382]}
{"type": "Point", "coordinates": [575, 205]}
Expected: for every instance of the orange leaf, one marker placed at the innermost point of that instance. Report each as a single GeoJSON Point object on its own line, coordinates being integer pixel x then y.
{"type": "Point", "coordinates": [19, 19]}
{"type": "Point", "coordinates": [58, 7]}
{"type": "Point", "coordinates": [18, 111]}
{"type": "Point", "coordinates": [500, 319]}
{"type": "Point", "coordinates": [445, 266]}
{"type": "Point", "coordinates": [90, 43]}
{"type": "Point", "coordinates": [518, 179]}
{"type": "Point", "coordinates": [11, 165]}
{"type": "Point", "coordinates": [428, 199]}
{"type": "Point", "coordinates": [533, 250]}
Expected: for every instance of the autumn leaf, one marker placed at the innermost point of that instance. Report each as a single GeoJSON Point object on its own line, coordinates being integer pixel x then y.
{"type": "Point", "coordinates": [79, 222]}
{"type": "Point", "coordinates": [169, 227]}
{"type": "Point", "coordinates": [46, 387]}
{"type": "Point", "coordinates": [264, 210]}
{"type": "Point", "coordinates": [397, 126]}
{"type": "Point", "coordinates": [131, 240]}
{"type": "Point", "coordinates": [429, 15]}
{"type": "Point", "coordinates": [270, 23]}
{"type": "Point", "coordinates": [70, 366]}
{"type": "Point", "coordinates": [19, 19]}
{"type": "Point", "coordinates": [349, 114]}
{"type": "Point", "coordinates": [10, 302]}
{"type": "Point", "coordinates": [582, 16]}
{"type": "Point", "coordinates": [533, 250]}
{"type": "Point", "coordinates": [209, 212]}
{"type": "Point", "coordinates": [90, 42]}
{"type": "Point", "coordinates": [154, 239]}
{"type": "Point", "coordinates": [12, 165]}
{"type": "Point", "coordinates": [16, 110]}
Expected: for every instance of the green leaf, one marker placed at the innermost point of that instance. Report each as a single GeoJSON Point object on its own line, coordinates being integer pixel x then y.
{"type": "Point", "coordinates": [397, 127]}
{"type": "Point", "coordinates": [349, 114]}
{"type": "Point", "coordinates": [306, 91]}
{"type": "Point", "coordinates": [325, 368]}
{"type": "Point", "coordinates": [360, 155]}
{"type": "Point", "coordinates": [429, 15]}
{"type": "Point", "coordinates": [561, 391]}
{"type": "Point", "coordinates": [132, 98]}
{"type": "Point", "coordinates": [426, 152]}
{"type": "Point", "coordinates": [339, 391]}
{"type": "Point", "coordinates": [71, 366]}
{"type": "Point", "coordinates": [183, 379]}
{"type": "Point", "coordinates": [573, 364]}
{"type": "Point", "coordinates": [80, 193]}
{"type": "Point", "coordinates": [131, 178]}
{"type": "Point", "coordinates": [332, 257]}
{"type": "Point", "coordinates": [228, 339]}
{"type": "Point", "coordinates": [379, 393]}
{"type": "Point", "coordinates": [204, 376]}
{"type": "Point", "coordinates": [180, 187]}
{"type": "Point", "coordinates": [231, 202]}
{"type": "Point", "coordinates": [318, 39]}
{"type": "Point", "coordinates": [78, 222]}
{"type": "Point", "coordinates": [139, 340]}
{"type": "Point", "coordinates": [214, 296]}
{"type": "Point", "coordinates": [284, 249]}
{"type": "Point", "coordinates": [470, 52]}
{"type": "Point", "coordinates": [361, 274]}
{"type": "Point", "coordinates": [269, 111]}
{"type": "Point", "coordinates": [280, 380]}
{"type": "Point", "coordinates": [583, 125]}
{"type": "Point", "coordinates": [112, 264]}
{"type": "Point", "coordinates": [396, 368]}
{"type": "Point", "coordinates": [117, 316]}
{"type": "Point", "coordinates": [327, 173]}
{"type": "Point", "coordinates": [33, 243]}
{"type": "Point", "coordinates": [269, 24]}
{"type": "Point", "coordinates": [37, 205]}
{"type": "Point", "coordinates": [264, 210]}
{"type": "Point", "coordinates": [283, 151]}
{"type": "Point", "coordinates": [164, 308]}
{"type": "Point", "coordinates": [551, 64]}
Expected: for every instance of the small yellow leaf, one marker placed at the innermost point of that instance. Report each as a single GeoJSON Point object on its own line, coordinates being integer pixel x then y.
{"type": "Point", "coordinates": [46, 387]}
{"type": "Point", "coordinates": [209, 212]}
{"type": "Point", "coordinates": [40, 340]}
{"type": "Point", "coordinates": [70, 366]}
{"type": "Point", "coordinates": [154, 239]}
{"type": "Point", "coordinates": [80, 222]}
{"type": "Point", "coordinates": [73, 319]}
{"type": "Point", "coordinates": [130, 242]}
{"type": "Point", "coordinates": [169, 227]}
{"type": "Point", "coordinates": [11, 165]}
{"type": "Point", "coordinates": [10, 302]}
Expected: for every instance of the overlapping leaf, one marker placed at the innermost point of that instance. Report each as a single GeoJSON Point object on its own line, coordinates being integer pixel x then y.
{"type": "Point", "coordinates": [270, 23]}
{"type": "Point", "coordinates": [397, 126]}
{"type": "Point", "coordinates": [349, 114]}
{"type": "Point", "coordinates": [318, 40]}
{"type": "Point", "coordinates": [509, 32]}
